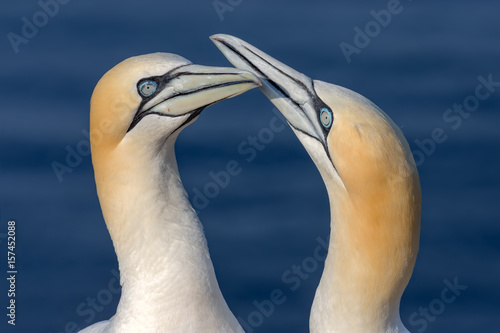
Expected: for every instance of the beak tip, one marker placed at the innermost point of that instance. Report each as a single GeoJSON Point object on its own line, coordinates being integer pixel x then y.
{"type": "Point", "coordinates": [255, 79]}
{"type": "Point", "coordinates": [217, 37]}
{"type": "Point", "coordinates": [224, 38]}
{"type": "Point", "coordinates": [258, 82]}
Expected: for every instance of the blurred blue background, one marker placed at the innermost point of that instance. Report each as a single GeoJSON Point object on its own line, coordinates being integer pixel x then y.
{"type": "Point", "coordinates": [268, 219]}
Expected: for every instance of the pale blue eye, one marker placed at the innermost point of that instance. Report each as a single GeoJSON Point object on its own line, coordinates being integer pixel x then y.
{"type": "Point", "coordinates": [148, 88]}
{"type": "Point", "coordinates": [326, 117]}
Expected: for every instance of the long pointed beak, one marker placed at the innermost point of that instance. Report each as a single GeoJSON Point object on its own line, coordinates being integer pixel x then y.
{"type": "Point", "coordinates": [290, 91]}
{"type": "Point", "coordinates": [192, 88]}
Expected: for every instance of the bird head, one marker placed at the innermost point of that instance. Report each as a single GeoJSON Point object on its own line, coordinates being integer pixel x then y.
{"type": "Point", "coordinates": [148, 99]}
{"type": "Point", "coordinates": [352, 142]}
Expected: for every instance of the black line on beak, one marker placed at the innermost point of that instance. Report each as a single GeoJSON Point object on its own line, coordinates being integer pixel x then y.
{"type": "Point", "coordinates": [140, 114]}
{"type": "Point", "coordinates": [192, 116]}
{"type": "Point", "coordinates": [318, 104]}
{"type": "Point", "coordinates": [273, 83]}
{"type": "Point", "coordinates": [300, 83]}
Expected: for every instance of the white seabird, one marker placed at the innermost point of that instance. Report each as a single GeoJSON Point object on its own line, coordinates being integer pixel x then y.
{"type": "Point", "coordinates": [138, 109]}
{"type": "Point", "coordinates": [373, 187]}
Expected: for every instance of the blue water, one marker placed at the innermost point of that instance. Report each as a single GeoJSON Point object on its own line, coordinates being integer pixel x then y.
{"type": "Point", "coordinates": [269, 217]}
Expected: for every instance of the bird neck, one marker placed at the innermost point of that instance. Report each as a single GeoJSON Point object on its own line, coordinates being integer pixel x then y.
{"type": "Point", "coordinates": [372, 252]}
{"type": "Point", "coordinates": [167, 277]}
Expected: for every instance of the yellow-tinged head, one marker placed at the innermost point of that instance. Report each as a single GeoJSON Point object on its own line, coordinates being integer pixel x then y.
{"type": "Point", "coordinates": [154, 96]}
{"type": "Point", "coordinates": [338, 127]}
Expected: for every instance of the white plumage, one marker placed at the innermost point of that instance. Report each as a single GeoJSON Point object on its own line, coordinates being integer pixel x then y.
{"type": "Point", "coordinates": [138, 108]}
{"type": "Point", "coordinates": [373, 186]}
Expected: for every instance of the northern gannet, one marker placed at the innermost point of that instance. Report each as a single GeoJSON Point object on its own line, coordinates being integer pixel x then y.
{"type": "Point", "coordinates": [138, 109]}
{"type": "Point", "coordinates": [373, 188]}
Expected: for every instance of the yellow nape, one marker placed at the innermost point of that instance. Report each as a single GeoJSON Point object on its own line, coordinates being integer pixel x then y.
{"type": "Point", "coordinates": [376, 219]}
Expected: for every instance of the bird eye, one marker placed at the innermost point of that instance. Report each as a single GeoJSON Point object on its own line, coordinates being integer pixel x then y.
{"type": "Point", "coordinates": [326, 117]}
{"type": "Point", "coordinates": [148, 88]}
